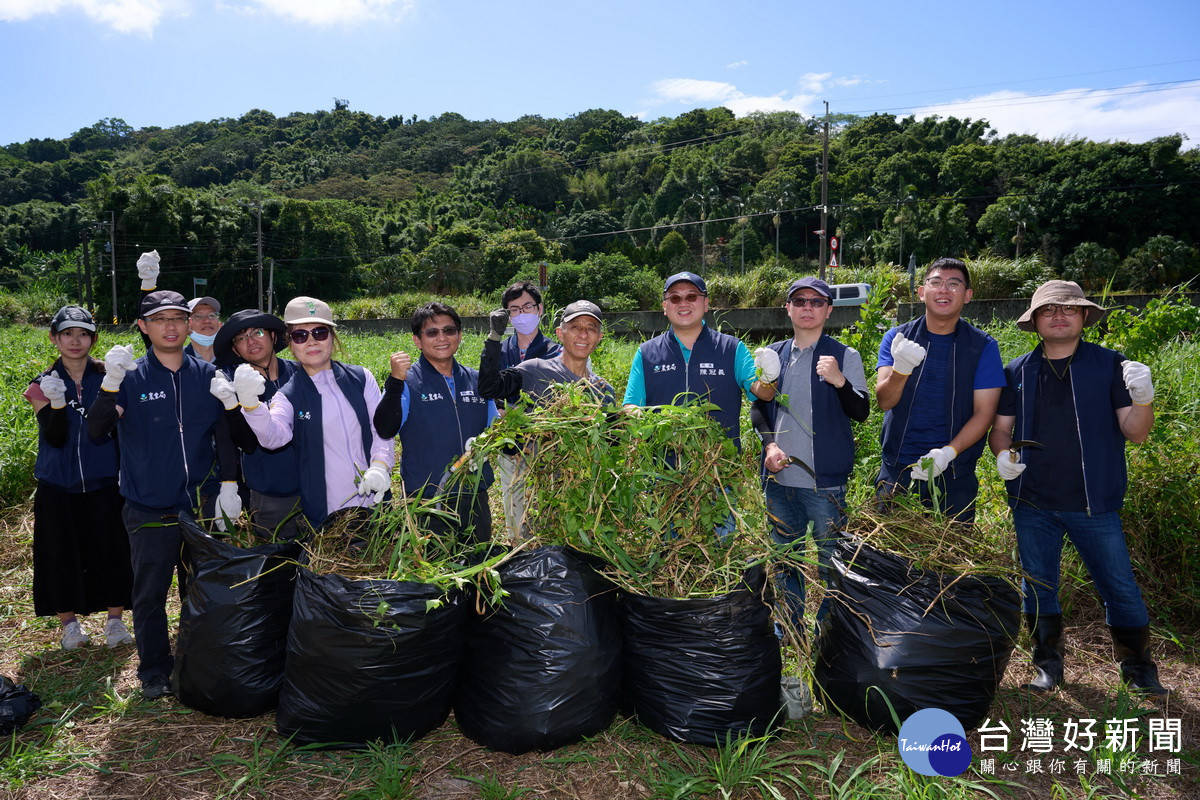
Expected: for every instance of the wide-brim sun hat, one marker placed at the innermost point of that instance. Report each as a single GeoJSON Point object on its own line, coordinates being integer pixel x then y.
{"type": "Point", "coordinates": [1060, 293]}
{"type": "Point", "coordinates": [223, 355]}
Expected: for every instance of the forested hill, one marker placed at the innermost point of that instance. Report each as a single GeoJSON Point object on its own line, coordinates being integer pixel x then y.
{"type": "Point", "coordinates": [352, 202]}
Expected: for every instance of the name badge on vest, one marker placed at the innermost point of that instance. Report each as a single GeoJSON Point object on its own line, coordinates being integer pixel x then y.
{"type": "Point", "coordinates": [665, 367]}
{"type": "Point", "coordinates": [431, 396]}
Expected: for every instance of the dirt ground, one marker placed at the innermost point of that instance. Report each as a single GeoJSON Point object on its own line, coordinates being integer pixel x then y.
{"type": "Point", "coordinates": [114, 744]}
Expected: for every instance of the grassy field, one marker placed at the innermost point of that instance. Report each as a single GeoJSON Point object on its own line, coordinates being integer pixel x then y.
{"type": "Point", "coordinates": [97, 737]}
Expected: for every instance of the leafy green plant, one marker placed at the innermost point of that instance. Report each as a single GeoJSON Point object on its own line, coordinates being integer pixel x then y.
{"type": "Point", "coordinates": [491, 788]}
{"type": "Point", "coordinates": [738, 767]}
{"type": "Point", "coordinates": [391, 769]}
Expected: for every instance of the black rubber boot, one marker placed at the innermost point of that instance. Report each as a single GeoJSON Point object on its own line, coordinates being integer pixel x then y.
{"type": "Point", "coordinates": [1047, 630]}
{"type": "Point", "coordinates": [1131, 648]}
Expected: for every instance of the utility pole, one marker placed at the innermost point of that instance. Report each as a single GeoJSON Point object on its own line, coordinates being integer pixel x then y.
{"type": "Point", "coordinates": [824, 188]}
{"type": "Point", "coordinates": [112, 260]}
{"type": "Point", "coordinates": [87, 271]}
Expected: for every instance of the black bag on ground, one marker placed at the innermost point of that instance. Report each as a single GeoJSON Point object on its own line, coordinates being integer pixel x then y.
{"type": "Point", "coordinates": [367, 661]}
{"type": "Point", "coordinates": [878, 641]}
{"type": "Point", "coordinates": [698, 670]}
{"type": "Point", "coordinates": [543, 670]}
{"type": "Point", "coordinates": [17, 705]}
{"type": "Point", "coordinates": [233, 624]}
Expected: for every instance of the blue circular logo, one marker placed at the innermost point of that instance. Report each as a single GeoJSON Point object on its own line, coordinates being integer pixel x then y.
{"type": "Point", "coordinates": [932, 742]}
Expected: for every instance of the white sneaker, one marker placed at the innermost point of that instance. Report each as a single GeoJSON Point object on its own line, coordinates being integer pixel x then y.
{"type": "Point", "coordinates": [73, 636]}
{"type": "Point", "coordinates": [115, 633]}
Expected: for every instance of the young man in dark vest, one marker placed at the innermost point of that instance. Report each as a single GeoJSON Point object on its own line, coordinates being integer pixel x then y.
{"type": "Point", "coordinates": [692, 361]}
{"type": "Point", "coordinates": [938, 381]}
{"type": "Point", "coordinates": [1081, 402]}
{"type": "Point", "coordinates": [435, 408]}
{"type": "Point", "coordinates": [826, 389]}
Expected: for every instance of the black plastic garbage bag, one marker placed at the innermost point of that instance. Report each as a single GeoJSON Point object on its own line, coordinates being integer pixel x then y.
{"type": "Point", "coordinates": [17, 705]}
{"type": "Point", "coordinates": [543, 670]}
{"type": "Point", "coordinates": [698, 670]}
{"type": "Point", "coordinates": [369, 659]}
{"type": "Point", "coordinates": [879, 645]}
{"type": "Point", "coordinates": [233, 625]}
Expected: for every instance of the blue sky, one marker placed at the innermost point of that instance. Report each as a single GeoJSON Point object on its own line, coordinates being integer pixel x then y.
{"type": "Point", "coordinates": [1099, 70]}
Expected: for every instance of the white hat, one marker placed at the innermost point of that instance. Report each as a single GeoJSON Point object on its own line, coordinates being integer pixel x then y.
{"type": "Point", "coordinates": [308, 309]}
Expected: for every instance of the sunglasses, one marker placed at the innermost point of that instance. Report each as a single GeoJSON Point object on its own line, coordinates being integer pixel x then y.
{"type": "Point", "coordinates": [811, 302]}
{"type": "Point", "coordinates": [300, 335]}
{"type": "Point", "coordinates": [676, 299]}
{"type": "Point", "coordinates": [449, 331]}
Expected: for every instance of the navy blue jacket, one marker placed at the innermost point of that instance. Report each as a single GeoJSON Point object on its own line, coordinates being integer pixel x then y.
{"type": "Point", "coordinates": [308, 441]}
{"type": "Point", "coordinates": [1100, 438]}
{"type": "Point", "coordinates": [709, 374]}
{"type": "Point", "coordinates": [833, 440]}
{"type": "Point", "coordinates": [968, 347]}
{"type": "Point", "coordinates": [272, 472]}
{"type": "Point", "coordinates": [437, 427]}
{"type": "Point", "coordinates": [167, 434]}
{"type": "Point", "coordinates": [81, 464]}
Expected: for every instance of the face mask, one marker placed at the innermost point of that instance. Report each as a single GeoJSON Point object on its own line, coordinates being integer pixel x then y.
{"type": "Point", "coordinates": [201, 339]}
{"type": "Point", "coordinates": [526, 323]}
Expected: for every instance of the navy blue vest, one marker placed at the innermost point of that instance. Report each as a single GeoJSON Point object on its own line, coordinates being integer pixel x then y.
{"type": "Point", "coordinates": [540, 347]}
{"type": "Point", "coordinates": [1101, 441]}
{"type": "Point", "coordinates": [969, 343]}
{"type": "Point", "coordinates": [710, 374]}
{"type": "Point", "coordinates": [438, 424]}
{"type": "Point", "coordinates": [833, 440]}
{"type": "Point", "coordinates": [307, 431]}
{"type": "Point", "coordinates": [83, 464]}
{"type": "Point", "coordinates": [272, 472]}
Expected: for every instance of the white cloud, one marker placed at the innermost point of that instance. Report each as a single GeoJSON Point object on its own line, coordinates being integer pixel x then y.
{"type": "Point", "coordinates": [1134, 113]}
{"type": "Point", "coordinates": [814, 82]}
{"type": "Point", "coordinates": [693, 93]}
{"type": "Point", "coordinates": [332, 12]}
{"type": "Point", "coordinates": [123, 16]}
{"type": "Point", "coordinates": [737, 64]}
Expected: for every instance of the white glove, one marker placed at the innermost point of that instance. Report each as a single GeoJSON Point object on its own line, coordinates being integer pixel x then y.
{"type": "Point", "coordinates": [55, 390]}
{"type": "Point", "coordinates": [472, 464]}
{"type": "Point", "coordinates": [767, 360]}
{"type": "Point", "coordinates": [942, 456]}
{"type": "Point", "coordinates": [1137, 381]}
{"type": "Point", "coordinates": [147, 270]}
{"type": "Point", "coordinates": [1007, 465]}
{"type": "Point", "coordinates": [117, 362]}
{"type": "Point", "coordinates": [222, 389]}
{"type": "Point", "coordinates": [249, 385]}
{"type": "Point", "coordinates": [906, 355]}
{"type": "Point", "coordinates": [229, 504]}
{"type": "Point", "coordinates": [375, 479]}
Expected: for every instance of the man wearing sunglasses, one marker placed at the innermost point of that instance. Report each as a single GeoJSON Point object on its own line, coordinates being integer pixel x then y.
{"type": "Point", "coordinates": [826, 389]}
{"type": "Point", "coordinates": [435, 408]}
{"type": "Point", "coordinates": [1081, 403]}
{"type": "Point", "coordinates": [270, 478]}
{"type": "Point", "coordinates": [938, 381]}
{"type": "Point", "coordinates": [691, 360]}
{"type": "Point", "coordinates": [170, 429]}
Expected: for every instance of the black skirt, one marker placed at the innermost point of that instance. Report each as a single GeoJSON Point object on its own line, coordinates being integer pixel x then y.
{"type": "Point", "coordinates": [80, 551]}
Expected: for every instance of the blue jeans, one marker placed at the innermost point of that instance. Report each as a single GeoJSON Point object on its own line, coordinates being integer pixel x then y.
{"type": "Point", "coordinates": [956, 496]}
{"type": "Point", "coordinates": [154, 546]}
{"type": "Point", "coordinates": [790, 510]}
{"type": "Point", "coordinates": [1101, 545]}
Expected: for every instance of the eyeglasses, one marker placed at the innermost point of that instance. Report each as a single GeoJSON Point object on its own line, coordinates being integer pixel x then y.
{"type": "Point", "coordinates": [448, 331]}
{"type": "Point", "coordinates": [256, 333]}
{"type": "Point", "coordinates": [528, 308]}
{"type": "Point", "coordinates": [811, 302]}
{"type": "Point", "coordinates": [167, 320]}
{"type": "Point", "coordinates": [300, 335]}
{"type": "Point", "coordinates": [676, 299]}
{"type": "Point", "coordinates": [203, 317]}
{"type": "Point", "coordinates": [1050, 311]}
{"type": "Point", "coordinates": [954, 284]}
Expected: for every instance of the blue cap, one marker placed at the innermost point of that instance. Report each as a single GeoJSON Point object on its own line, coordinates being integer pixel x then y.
{"type": "Point", "coordinates": [816, 284]}
{"type": "Point", "coordinates": [690, 277]}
